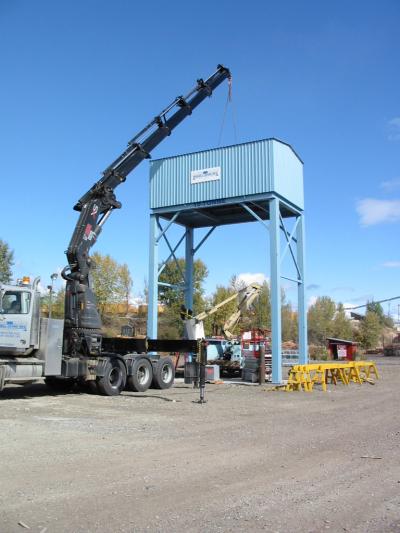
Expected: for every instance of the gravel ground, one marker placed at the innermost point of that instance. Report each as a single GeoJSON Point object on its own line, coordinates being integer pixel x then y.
{"type": "Point", "coordinates": [248, 460]}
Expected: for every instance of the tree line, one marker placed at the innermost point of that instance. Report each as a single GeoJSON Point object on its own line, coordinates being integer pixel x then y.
{"type": "Point", "coordinates": [112, 284]}
{"type": "Point", "coordinates": [325, 317]}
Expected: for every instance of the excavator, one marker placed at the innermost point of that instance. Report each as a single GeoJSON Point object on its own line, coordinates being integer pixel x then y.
{"type": "Point", "coordinates": [75, 349]}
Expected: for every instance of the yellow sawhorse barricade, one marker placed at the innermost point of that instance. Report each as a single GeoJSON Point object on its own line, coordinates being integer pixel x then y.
{"type": "Point", "coordinates": [303, 377]}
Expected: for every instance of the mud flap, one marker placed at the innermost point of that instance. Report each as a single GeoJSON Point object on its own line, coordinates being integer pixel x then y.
{"type": "Point", "coordinates": [2, 377]}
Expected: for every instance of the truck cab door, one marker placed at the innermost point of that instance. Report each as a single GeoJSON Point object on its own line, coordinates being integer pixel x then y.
{"type": "Point", "coordinates": [15, 321]}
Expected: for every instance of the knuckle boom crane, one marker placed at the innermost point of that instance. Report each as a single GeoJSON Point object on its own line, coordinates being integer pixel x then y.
{"type": "Point", "coordinates": [73, 350]}
{"type": "Point", "coordinates": [82, 327]}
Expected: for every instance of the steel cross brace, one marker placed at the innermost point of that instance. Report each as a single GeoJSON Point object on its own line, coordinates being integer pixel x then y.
{"type": "Point", "coordinates": [289, 246]}
{"type": "Point", "coordinates": [164, 231]}
{"type": "Point", "coordinates": [203, 240]}
{"type": "Point", "coordinates": [245, 206]}
{"type": "Point", "coordinates": [172, 251]}
{"type": "Point", "coordinates": [171, 254]}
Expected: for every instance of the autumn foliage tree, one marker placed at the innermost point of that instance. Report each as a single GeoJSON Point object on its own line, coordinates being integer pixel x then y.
{"type": "Point", "coordinates": [112, 282]}
{"type": "Point", "coordinates": [320, 320]}
{"type": "Point", "coordinates": [214, 322]}
{"type": "Point", "coordinates": [370, 330]}
{"type": "Point", "coordinates": [377, 308]}
{"type": "Point", "coordinates": [6, 262]}
{"type": "Point", "coordinates": [56, 303]}
{"type": "Point", "coordinates": [259, 314]}
{"type": "Point", "coordinates": [173, 274]}
{"type": "Point", "coordinates": [171, 325]}
{"type": "Point", "coordinates": [341, 326]}
{"type": "Point", "coordinates": [126, 284]}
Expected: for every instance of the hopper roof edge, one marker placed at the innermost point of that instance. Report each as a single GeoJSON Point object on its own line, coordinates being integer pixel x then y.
{"type": "Point", "coordinates": [231, 146]}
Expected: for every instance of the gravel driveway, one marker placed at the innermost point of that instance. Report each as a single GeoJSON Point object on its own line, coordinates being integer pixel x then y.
{"type": "Point", "coordinates": [248, 460]}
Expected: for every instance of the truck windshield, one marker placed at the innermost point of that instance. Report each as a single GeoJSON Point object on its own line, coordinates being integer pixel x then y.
{"type": "Point", "coordinates": [15, 302]}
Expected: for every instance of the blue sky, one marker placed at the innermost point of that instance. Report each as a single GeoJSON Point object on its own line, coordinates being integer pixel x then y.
{"type": "Point", "coordinates": [80, 78]}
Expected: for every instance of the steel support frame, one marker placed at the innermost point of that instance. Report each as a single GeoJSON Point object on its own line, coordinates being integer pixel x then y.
{"type": "Point", "coordinates": [276, 227]}
{"type": "Point", "coordinates": [275, 290]}
{"type": "Point", "coordinates": [301, 297]}
{"type": "Point", "coordinates": [152, 304]}
{"type": "Point", "coordinates": [157, 232]}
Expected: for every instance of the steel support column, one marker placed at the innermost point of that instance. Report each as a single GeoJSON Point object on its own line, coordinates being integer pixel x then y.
{"type": "Point", "coordinates": [302, 311]}
{"type": "Point", "coordinates": [152, 309]}
{"type": "Point", "coordinates": [275, 263]}
{"type": "Point", "coordinates": [189, 253]}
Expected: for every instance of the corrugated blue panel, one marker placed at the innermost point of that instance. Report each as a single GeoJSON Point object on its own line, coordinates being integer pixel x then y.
{"type": "Point", "coordinates": [287, 174]}
{"type": "Point", "coordinates": [229, 172]}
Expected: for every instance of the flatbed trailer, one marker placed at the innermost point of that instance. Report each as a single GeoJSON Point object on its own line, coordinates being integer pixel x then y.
{"type": "Point", "coordinates": [134, 364]}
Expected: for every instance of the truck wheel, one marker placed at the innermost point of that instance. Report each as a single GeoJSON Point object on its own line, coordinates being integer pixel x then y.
{"type": "Point", "coordinates": [142, 375]}
{"type": "Point", "coordinates": [92, 386]}
{"type": "Point", "coordinates": [163, 373]}
{"type": "Point", "coordinates": [60, 384]}
{"type": "Point", "coordinates": [114, 379]}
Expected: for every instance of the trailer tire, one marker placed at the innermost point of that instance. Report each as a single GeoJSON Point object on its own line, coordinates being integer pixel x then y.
{"type": "Point", "coordinates": [60, 384]}
{"type": "Point", "coordinates": [163, 373]}
{"type": "Point", "coordinates": [142, 375]}
{"type": "Point", "coordinates": [113, 381]}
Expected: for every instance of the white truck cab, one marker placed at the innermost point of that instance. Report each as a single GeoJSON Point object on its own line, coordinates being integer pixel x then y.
{"type": "Point", "coordinates": [30, 346]}
{"type": "Point", "coordinates": [19, 318]}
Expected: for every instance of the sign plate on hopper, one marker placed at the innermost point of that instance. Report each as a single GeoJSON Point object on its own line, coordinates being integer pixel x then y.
{"type": "Point", "coordinates": [205, 174]}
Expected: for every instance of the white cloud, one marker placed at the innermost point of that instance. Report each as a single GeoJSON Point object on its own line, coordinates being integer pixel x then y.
{"type": "Point", "coordinates": [373, 211]}
{"type": "Point", "coordinates": [391, 264]}
{"type": "Point", "coordinates": [251, 277]}
{"type": "Point", "coordinates": [347, 307]}
{"type": "Point", "coordinates": [395, 122]}
{"type": "Point", "coordinates": [390, 185]}
{"type": "Point", "coordinates": [394, 129]}
{"type": "Point", "coordinates": [288, 286]}
{"type": "Point", "coordinates": [311, 301]}
{"type": "Point", "coordinates": [42, 289]}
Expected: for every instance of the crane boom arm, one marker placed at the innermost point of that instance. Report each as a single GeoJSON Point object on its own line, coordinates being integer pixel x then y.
{"type": "Point", "coordinates": [153, 134]}
{"type": "Point", "coordinates": [82, 328]}
{"type": "Point", "coordinates": [245, 300]}
{"type": "Point", "coordinates": [194, 324]}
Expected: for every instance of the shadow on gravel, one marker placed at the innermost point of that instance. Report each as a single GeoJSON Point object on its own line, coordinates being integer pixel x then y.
{"type": "Point", "coordinates": [155, 397]}
{"type": "Point", "coordinates": [39, 390]}
{"type": "Point", "coordinates": [34, 390]}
